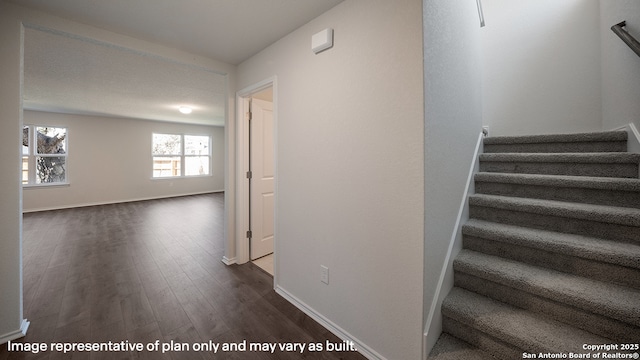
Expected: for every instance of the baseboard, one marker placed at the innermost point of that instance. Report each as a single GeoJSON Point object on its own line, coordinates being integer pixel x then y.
{"type": "Point", "coordinates": [633, 142]}
{"type": "Point", "coordinates": [228, 261]}
{"type": "Point", "coordinates": [16, 334]}
{"type": "Point", "coordinates": [633, 139]}
{"type": "Point", "coordinates": [118, 201]}
{"type": "Point", "coordinates": [433, 326]}
{"type": "Point", "coordinates": [363, 349]}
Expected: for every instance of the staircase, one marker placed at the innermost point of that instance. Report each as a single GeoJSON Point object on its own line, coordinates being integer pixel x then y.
{"type": "Point", "coordinates": [551, 253]}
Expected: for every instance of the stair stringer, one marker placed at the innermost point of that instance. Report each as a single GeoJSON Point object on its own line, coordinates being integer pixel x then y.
{"type": "Point", "coordinates": [433, 325]}
{"type": "Point", "coordinates": [633, 140]}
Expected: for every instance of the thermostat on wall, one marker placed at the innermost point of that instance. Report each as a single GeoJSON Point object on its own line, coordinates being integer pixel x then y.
{"type": "Point", "coordinates": [322, 40]}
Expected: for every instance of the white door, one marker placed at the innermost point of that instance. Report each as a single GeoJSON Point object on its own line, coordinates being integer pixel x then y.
{"type": "Point", "coordinates": [262, 178]}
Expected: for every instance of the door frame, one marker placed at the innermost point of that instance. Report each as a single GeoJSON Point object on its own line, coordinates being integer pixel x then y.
{"type": "Point", "coordinates": [242, 166]}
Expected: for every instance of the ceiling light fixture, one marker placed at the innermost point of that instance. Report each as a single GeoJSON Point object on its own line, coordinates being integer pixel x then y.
{"type": "Point", "coordinates": [185, 109]}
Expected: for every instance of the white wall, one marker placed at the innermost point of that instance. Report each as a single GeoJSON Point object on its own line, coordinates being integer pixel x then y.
{"type": "Point", "coordinates": [109, 161]}
{"type": "Point", "coordinates": [620, 65]}
{"type": "Point", "coordinates": [11, 314]}
{"type": "Point", "coordinates": [541, 66]}
{"type": "Point", "coordinates": [11, 19]}
{"type": "Point", "coordinates": [350, 170]}
{"type": "Point", "coordinates": [453, 121]}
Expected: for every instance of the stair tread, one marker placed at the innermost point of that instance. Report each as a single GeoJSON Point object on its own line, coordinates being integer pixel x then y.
{"type": "Point", "coordinates": [619, 253]}
{"type": "Point", "coordinates": [523, 329]}
{"type": "Point", "coordinates": [582, 158]}
{"type": "Point", "coordinates": [599, 213]}
{"type": "Point", "coordinates": [451, 348]}
{"type": "Point", "coordinates": [577, 137]}
{"type": "Point", "coordinates": [614, 301]}
{"type": "Point", "coordinates": [587, 182]}
{"type": "Point", "coordinates": [576, 183]}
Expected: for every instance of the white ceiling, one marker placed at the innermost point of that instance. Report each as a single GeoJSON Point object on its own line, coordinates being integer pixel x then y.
{"type": "Point", "coordinates": [78, 75]}
{"type": "Point", "coordinates": [226, 30]}
{"type": "Point", "coordinates": [68, 73]}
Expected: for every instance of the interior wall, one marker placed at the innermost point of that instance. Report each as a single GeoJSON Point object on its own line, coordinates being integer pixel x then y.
{"type": "Point", "coordinates": [453, 122]}
{"type": "Point", "coordinates": [109, 161]}
{"type": "Point", "coordinates": [11, 314]}
{"type": "Point", "coordinates": [11, 19]}
{"type": "Point", "coordinates": [620, 65]}
{"type": "Point", "coordinates": [350, 170]}
{"type": "Point", "coordinates": [541, 66]}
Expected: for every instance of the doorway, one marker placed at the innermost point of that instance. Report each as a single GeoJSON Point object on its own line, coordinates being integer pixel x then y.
{"type": "Point", "coordinates": [257, 175]}
{"type": "Point", "coordinates": [262, 180]}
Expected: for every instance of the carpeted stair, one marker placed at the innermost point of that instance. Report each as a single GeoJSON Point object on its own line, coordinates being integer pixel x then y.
{"type": "Point", "coordinates": [551, 253]}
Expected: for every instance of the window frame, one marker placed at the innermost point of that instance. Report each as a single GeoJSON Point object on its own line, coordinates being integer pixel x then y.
{"type": "Point", "coordinates": [182, 156]}
{"type": "Point", "coordinates": [32, 156]}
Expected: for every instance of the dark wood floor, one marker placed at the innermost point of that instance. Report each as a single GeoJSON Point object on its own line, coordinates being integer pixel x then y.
{"type": "Point", "coordinates": [147, 271]}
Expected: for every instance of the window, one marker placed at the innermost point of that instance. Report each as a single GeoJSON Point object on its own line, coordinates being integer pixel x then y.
{"type": "Point", "coordinates": [177, 155]}
{"type": "Point", "coordinates": [167, 151]}
{"type": "Point", "coordinates": [196, 152]}
{"type": "Point", "coordinates": [44, 155]}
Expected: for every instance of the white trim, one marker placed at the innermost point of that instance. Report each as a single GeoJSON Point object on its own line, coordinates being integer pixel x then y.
{"type": "Point", "coordinates": [434, 328]}
{"type": "Point", "coordinates": [228, 261]}
{"type": "Point", "coordinates": [242, 166]}
{"type": "Point", "coordinates": [45, 185]}
{"type": "Point", "coordinates": [24, 326]}
{"type": "Point", "coordinates": [362, 348]}
{"type": "Point", "coordinates": [242, 183]}
{"type": "Point", "coordinates": [180, 176]}
{"type": "Point", "coordinates": [633, 140]}
{"type": "Point", "coordinates": [636, 135]}
{"type": "Point", "coordinates": [119, 201]}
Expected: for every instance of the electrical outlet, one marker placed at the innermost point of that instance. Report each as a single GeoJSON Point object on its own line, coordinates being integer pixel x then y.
{"type": "Point", "coordinates": [324, 274]}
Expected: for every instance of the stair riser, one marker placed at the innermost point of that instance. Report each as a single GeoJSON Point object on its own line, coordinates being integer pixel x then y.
{"type": "Point", "coordinates": [597, 324]}
{"type": "Point", "coordinates": [592, 228]}
{"type": "Point", "coordinates": [621, 170]}
{"type": "Point", "coordinates": [571, 194]}
{"type": "Point", "coordinates": [606, 146]}
{"type": "Point", "coordinates": [607, 272]}
{"type": "Point", "coordinates": [537, 285]}
{"type": "Point", "coordinates": [521, 290]}
{"type": "Point", "coordinates": [451, 348]}
{"type": "Point", "coordinates": [480, 339]}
